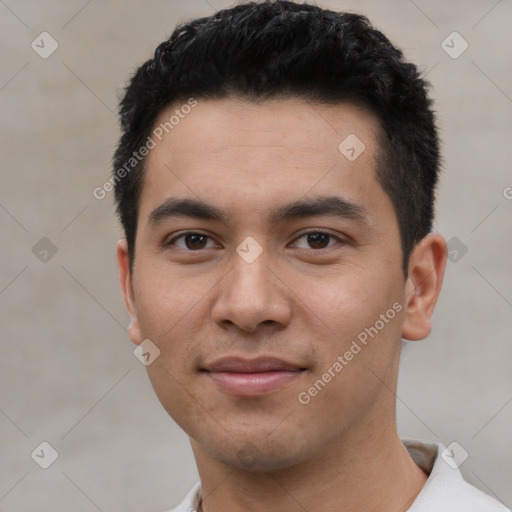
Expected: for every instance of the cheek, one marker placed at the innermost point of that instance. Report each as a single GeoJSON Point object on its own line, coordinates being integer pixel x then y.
{"type": "Point", "coordinates": [171, 389]}
{"type": "Point", "coordinates": [356, 356]}
{"type": "Point", "coordinates": [171, 313]}
{"type": "Point", "coordinates": [169, 300]}
{"type": "Point", "coordinates": [356, 314]}
{"type": "Point", "coordinates": [344, 300]}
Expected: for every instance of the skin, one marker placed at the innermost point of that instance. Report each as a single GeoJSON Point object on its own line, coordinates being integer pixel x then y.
{"type": "Point", "coordinates": [298, 301]}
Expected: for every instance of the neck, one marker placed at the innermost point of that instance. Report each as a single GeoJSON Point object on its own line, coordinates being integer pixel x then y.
{"type": "Point", "coordinates": [371, 472]}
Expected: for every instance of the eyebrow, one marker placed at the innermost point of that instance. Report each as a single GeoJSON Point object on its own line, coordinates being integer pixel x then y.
{"type": "Point", "coordinates": [331, 205]}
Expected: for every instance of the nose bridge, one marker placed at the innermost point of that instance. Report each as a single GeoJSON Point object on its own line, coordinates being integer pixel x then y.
{"type": "Point", "coordinates": [250, 280]}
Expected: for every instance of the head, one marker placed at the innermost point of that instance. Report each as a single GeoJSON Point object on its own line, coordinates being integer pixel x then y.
{"type": "Point", "coordinates": [306, 131]}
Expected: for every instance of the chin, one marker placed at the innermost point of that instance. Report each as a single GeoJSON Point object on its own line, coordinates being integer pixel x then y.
{"type": "Point", "coordinates": [256, 458]}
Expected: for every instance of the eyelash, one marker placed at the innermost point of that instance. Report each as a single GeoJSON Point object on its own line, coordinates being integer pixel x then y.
{"type": "Point", "coordinates": [315, 231]}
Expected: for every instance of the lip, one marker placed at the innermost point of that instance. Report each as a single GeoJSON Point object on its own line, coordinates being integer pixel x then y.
{"type": "Point", "coordinates": [252, 377]}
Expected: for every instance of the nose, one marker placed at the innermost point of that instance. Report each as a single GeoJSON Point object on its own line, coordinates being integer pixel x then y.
{"type": "Point", "coordinates": [251, 295]}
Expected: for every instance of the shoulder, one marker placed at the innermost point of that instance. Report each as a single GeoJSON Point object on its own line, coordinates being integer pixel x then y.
{"type": "Point", "coordinates": [446, 490]}
{"type": "Point", "coordinates": [472, 499]}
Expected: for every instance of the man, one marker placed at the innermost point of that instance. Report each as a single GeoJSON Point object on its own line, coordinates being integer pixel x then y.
{"type": "Point", "coordinates": [275, 180]}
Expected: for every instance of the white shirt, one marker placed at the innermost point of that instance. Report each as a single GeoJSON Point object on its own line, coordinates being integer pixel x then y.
{"type": "Point", "coordinates": [444, 491]}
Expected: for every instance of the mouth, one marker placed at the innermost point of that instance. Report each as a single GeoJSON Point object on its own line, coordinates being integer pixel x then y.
{"type": "Point", "coordinates": [252, 377]}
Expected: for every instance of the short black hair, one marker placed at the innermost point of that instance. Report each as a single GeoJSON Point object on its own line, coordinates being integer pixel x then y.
{"type": "Point", "coordinates": [272, 49]}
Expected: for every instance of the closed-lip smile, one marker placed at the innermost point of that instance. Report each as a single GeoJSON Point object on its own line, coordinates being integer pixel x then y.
{"type": "Point", "coordinates": [251, 377]}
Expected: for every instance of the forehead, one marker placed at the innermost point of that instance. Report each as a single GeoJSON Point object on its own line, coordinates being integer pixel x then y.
{"type": "Point", "coordinates": [259, 152]}
{"type": "Point", "coordinates": [231, 123]}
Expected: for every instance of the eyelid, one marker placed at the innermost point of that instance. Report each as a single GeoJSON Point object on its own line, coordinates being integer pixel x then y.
{"type": "Point", "coordinates": [310, 231]}
{"type": "Point", "coordinates": [175, 236]}
{"type": "Point", "coordinates": [180, 235]}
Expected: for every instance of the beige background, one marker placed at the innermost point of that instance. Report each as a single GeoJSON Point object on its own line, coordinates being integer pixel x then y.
{"type": "Point", "coordinates": [67, 371]}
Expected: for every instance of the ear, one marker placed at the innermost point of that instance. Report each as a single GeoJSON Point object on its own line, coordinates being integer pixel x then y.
{"type": "Point", "coordinates": [425, 277]}
{"type": "Point", "coordinates": [125, 280]}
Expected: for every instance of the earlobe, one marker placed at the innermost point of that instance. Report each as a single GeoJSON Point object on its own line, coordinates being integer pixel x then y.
{"type": "Point", "coordinates": [426, 271]}
{"type": "Point", "coordinates": [125, 281]}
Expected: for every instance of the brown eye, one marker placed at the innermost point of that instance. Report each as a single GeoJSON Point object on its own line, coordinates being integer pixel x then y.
{"type": "Point", "coordinates": [195, 241]}
{"type": "Point", "coordinates": [317, 240]}
{"type": "Point", "coordinates": [190, 241]}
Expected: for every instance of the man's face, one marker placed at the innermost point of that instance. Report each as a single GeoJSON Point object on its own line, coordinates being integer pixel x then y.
{"type": "Point", "coordinates": [244, 335]}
